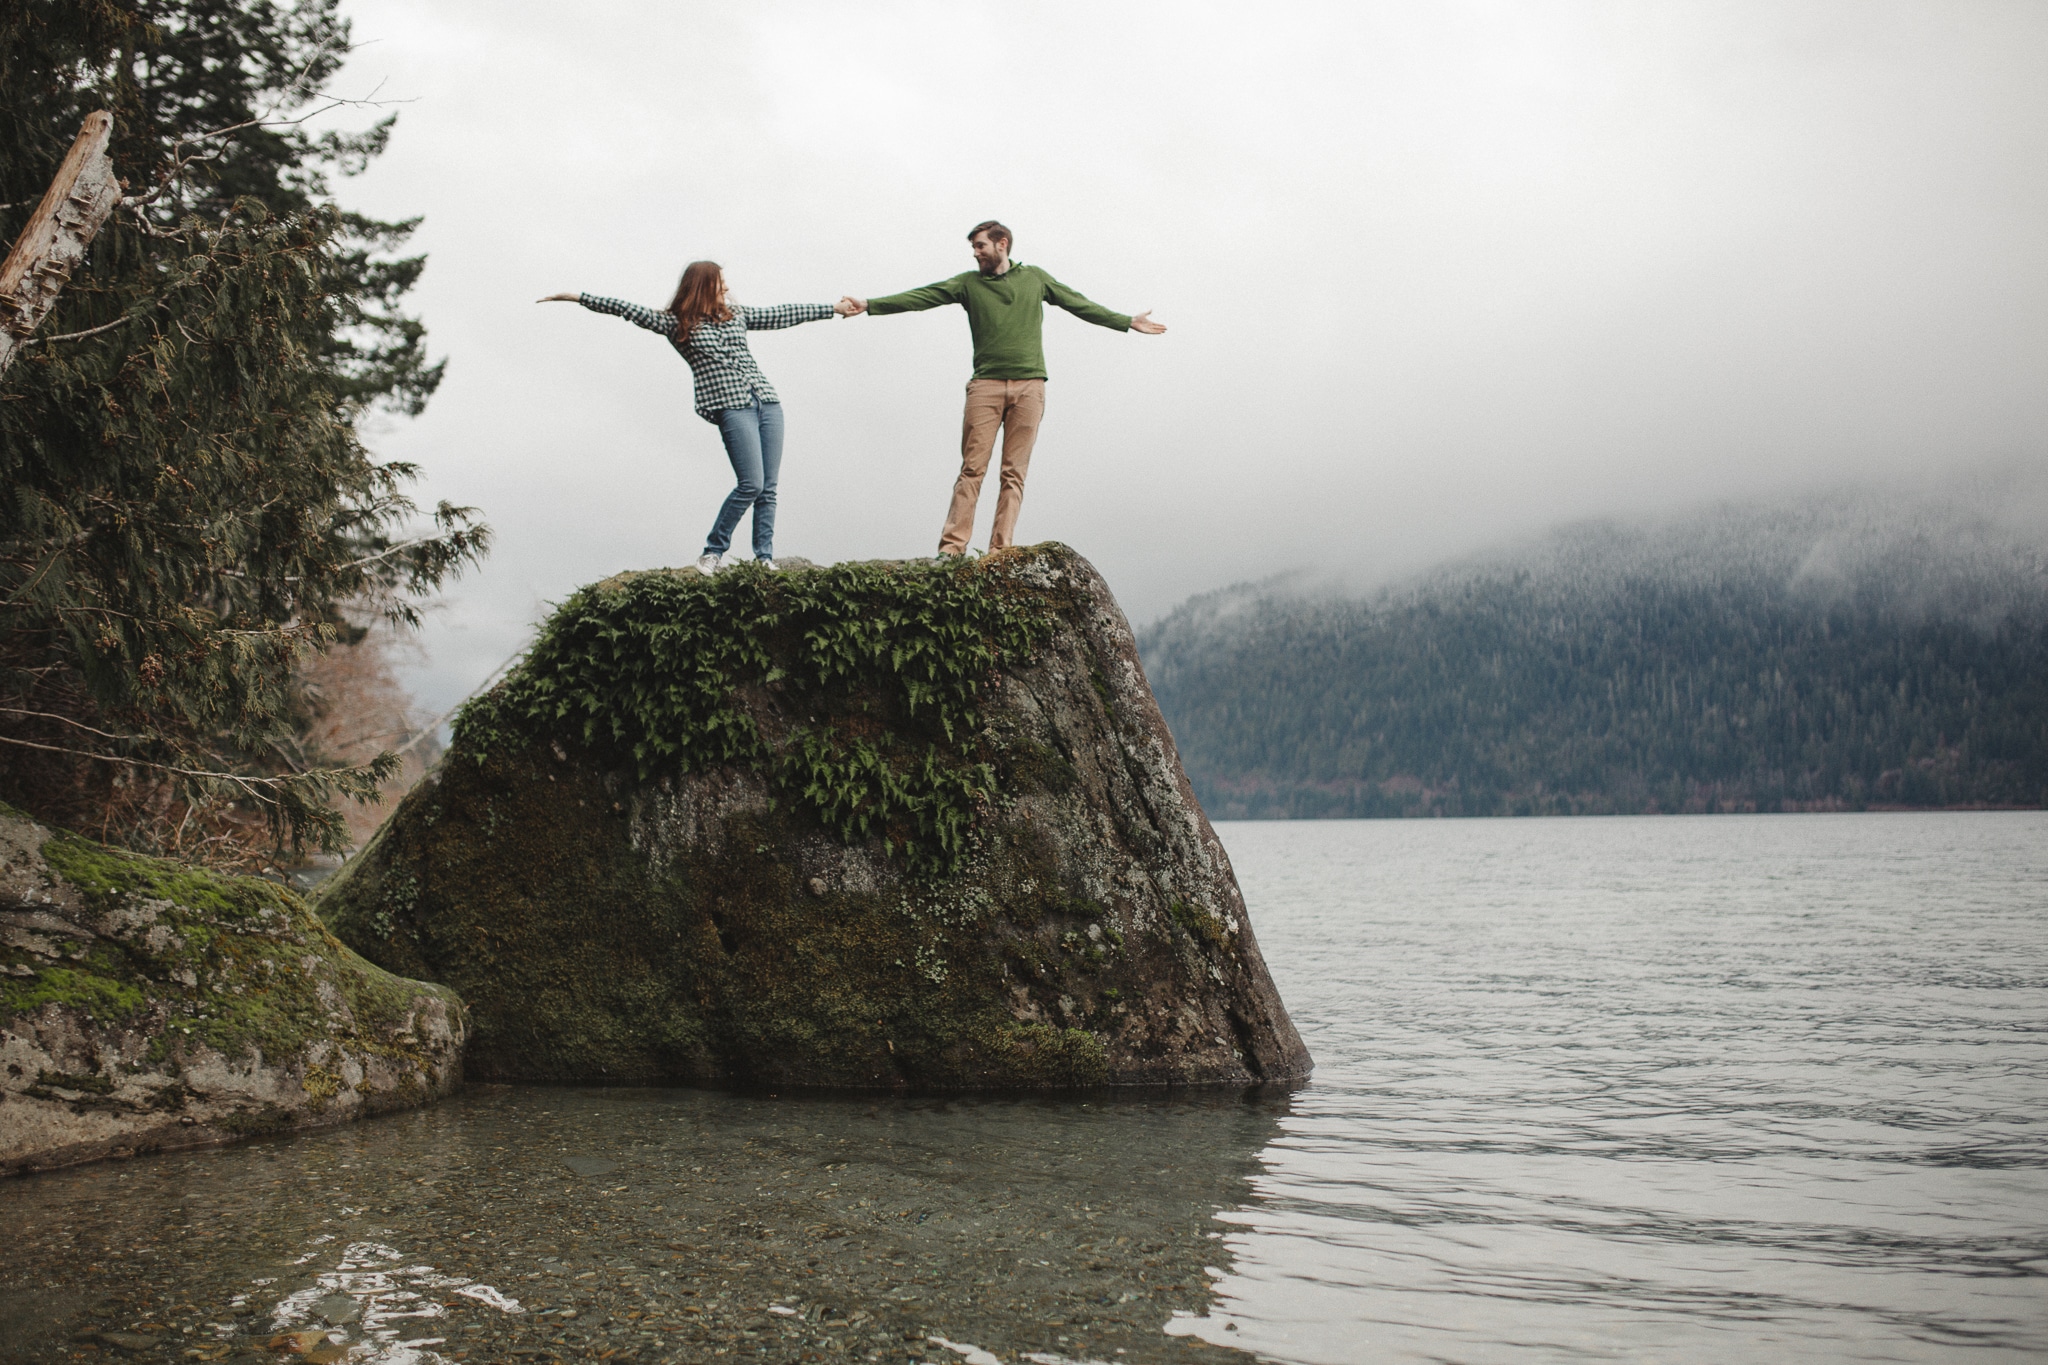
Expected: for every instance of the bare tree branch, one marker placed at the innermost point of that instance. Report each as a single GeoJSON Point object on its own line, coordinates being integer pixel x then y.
{"type": "Point", "coordinates": [66, 720]}
{"type": "Point", "coordinates": [442, 719]}
{"type": "Point", "coordinates": [255, 787]}
{"type": "Point", "coordinates": [384, 553]}
{"type": "Point", "coordinates": [73, 336]}
{"type": "Point", "coordinates": [267, 118]}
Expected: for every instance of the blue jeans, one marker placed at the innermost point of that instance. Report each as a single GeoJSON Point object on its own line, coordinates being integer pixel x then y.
{"type": "Point", "coordinates": [753, 442]}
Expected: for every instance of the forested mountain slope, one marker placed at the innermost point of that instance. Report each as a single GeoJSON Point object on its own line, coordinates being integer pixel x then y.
{"type": "Point", "coordinates": [1829, 656]}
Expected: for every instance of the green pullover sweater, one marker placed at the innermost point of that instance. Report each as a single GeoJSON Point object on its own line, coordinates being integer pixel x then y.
{"type": "Point", "coordinates": [1006, 314]}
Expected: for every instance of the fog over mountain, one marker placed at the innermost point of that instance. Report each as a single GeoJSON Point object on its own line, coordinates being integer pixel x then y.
{"type": "Point", "coordinates": [1839, 651]}
{"type": "Point", "coordinates": [1971, 547]}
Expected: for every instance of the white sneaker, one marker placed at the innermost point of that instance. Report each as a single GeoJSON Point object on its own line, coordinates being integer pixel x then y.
{"type": "Point", "coordinates": [766, 563]}
{"type": "Point", "coordinates": [707, 564]}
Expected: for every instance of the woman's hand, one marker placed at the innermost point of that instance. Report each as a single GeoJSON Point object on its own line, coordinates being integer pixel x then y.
{"type": "Point", "coordinates": [848, 305]}
{"type": "Point", "coordinates": [559, 298]}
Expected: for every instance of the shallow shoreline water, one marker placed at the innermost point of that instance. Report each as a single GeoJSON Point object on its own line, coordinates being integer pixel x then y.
{"type": "Point", "coordinates": [526, 1222]}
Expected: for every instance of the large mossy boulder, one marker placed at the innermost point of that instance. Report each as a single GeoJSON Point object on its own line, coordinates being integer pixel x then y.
{"type": "Point", "coordinates": [147, 1004]}
{"type": "Point", "coordinates": [904, 825]}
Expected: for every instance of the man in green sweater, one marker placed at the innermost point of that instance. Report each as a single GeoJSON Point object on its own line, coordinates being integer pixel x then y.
{"type": "Point", "coordinates": [1005, 303]}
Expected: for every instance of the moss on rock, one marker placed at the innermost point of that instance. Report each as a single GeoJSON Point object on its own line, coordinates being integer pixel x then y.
{"type": "Point", "coordinates": [709, 916]}
{"type": "Point", "coordinates": [147, 1004]}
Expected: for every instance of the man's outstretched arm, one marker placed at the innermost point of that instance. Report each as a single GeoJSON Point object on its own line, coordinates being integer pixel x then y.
{"type": "Point", "coordinates": [911, 300]}
{"type": "Point", "coordinates": [1086, 309]}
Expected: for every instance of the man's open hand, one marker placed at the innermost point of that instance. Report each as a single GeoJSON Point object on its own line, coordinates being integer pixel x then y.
{"type": "Point", "coordinates": [1143, 323]}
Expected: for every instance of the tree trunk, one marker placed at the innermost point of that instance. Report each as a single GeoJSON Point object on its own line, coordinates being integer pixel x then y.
{"type": "Point", "coordinates": [57, 235]}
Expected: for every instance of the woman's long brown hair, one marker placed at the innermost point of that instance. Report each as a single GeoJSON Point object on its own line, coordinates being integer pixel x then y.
{"type": "Point", "coordinates": [697, 298]}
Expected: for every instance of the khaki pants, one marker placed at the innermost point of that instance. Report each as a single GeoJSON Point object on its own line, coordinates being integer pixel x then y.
{"type": "Point", "coordinates": [1017, 406]}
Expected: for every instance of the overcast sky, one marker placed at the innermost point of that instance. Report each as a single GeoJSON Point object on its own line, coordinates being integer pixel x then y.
{"type": "Point", "coordinates": [1434, 273]}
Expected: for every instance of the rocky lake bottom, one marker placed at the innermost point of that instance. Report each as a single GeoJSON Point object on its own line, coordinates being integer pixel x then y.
{"type": "Point", "coordinates": [518, 1223]}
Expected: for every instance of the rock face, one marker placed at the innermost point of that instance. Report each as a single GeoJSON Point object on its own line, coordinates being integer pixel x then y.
{"type": "Point", "coordinates": [147, 1005]}
{"type": "Point", "coordinates": [881, 825]}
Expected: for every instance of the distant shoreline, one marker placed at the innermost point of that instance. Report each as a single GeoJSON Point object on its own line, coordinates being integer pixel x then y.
{"type": "Point", "coordinates": [1830, 656]}
{"type": "Point", "coordinates": [1979, 807]}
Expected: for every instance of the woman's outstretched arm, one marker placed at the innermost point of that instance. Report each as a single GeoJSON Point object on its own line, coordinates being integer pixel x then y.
{"type": "Point", "coordinates": [653, 319]}
{"type": "Point", "coordinates": [784, 315]}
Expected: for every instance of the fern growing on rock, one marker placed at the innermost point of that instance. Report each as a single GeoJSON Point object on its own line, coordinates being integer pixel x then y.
{"type": "Point", "coordinates": [858, 690]}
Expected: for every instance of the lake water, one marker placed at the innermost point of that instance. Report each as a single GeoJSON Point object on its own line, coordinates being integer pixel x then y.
{"type": "Point", "coordinates": [1670, 1088]}
{"type": "Point", "coordinates": [1663, 1089]}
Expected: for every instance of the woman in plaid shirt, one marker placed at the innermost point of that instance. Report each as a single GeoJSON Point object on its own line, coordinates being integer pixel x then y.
{"type": "Point", "coordinates": [710, 330]}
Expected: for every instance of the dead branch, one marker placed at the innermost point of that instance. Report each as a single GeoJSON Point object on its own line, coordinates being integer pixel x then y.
{"type": "Point", "coordinates": [384, 553]}
{"type": "Point", "coordinates": [73, 336]}
{"type": "Point", "coordinates": [221, 138]}
{"type": "Point", "coordinates": [66, 720]}
{"type": "Point", "coordinates": [58, 234]}
{"type": "Point", "coordinates": [254, 787]}
{"type": "Point", "coordinates": [435, 724]}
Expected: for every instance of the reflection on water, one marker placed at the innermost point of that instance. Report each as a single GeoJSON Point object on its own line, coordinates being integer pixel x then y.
{"type": "Point", "coordinates": [389, 1303]}
{"type": "Point", "coordinates": [1670, 1089]}
{"type": "Point", "coordinates": [515, 1223]}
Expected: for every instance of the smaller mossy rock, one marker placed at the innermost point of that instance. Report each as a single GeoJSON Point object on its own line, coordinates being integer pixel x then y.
{"type": "Point", "coordinates": [901, 825]}
{"type": "Point", "coordinates": [147, 1004]}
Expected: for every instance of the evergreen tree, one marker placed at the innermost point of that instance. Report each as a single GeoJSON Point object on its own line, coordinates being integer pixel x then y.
{"type": "Point", "coordinates": [186, 506]}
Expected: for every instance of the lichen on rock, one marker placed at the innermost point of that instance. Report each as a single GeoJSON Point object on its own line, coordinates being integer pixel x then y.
{"type": "Point", "coordinates": [147, 1004]}
{"type": "Point", "coordinates": [912, 825]}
